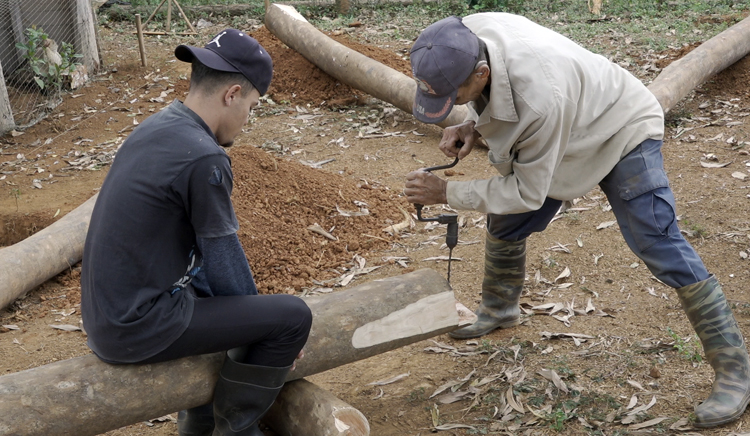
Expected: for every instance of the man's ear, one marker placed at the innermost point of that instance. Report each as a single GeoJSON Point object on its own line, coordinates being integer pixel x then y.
{"type": "Point", "coordinates": [233, 92]}
{"type": "Point", "coordinates": [483, 70]}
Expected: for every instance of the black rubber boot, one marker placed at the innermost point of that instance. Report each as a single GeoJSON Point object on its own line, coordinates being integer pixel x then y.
{"type": "Point", "coordinates": [198, 421]}
{"type": "Point", "coordinates": [243, 394]}
{"type": "Point", "coordinates": [706, 307]}
{"type": "Point", "coordinates": [504, 274]}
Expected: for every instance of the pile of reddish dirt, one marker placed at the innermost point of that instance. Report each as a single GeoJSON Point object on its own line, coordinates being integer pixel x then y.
{"type": "Point", "coordinates": [298, 80]}
{"type": "Point", "coordinates": [738, 73]}
{"type": "Point", "coordinates": [276, 201]}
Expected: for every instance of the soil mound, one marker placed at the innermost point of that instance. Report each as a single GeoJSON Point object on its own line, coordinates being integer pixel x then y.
{"type": "Point", "coordinates": [276, 201]}
{"type": "Point", "coordinates": [297, 80]}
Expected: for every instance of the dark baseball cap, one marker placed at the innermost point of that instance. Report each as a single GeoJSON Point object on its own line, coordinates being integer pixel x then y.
{"type": "Point", "coordinates": [233, 51]}
{"type": "Point", "coordinates": [442, 59]}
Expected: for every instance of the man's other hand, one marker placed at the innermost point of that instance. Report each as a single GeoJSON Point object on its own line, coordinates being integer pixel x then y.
{"type": "Point", "coordinates": [423, 187]}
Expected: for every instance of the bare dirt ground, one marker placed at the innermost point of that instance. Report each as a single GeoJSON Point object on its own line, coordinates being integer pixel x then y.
{"type": "Point", "coordinates": [318, 152]}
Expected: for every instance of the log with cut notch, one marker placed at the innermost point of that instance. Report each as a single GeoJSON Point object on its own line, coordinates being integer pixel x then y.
{"type": "Point", "coordinates": [84, 396]}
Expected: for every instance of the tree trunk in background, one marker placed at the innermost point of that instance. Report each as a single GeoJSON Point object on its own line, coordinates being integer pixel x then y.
{"type": "Point", "coordinates": [345, 64]}
{"type": "Point", "coordinates": [6, 113]}
{"type": "Point", "coordinates": [85, 29]}
{"type": "Point", "coordinates": [683, 75]}
{"type": "Point", "coordinates": [43, 255]}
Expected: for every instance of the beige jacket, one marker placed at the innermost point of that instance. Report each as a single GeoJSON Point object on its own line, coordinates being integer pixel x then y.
{"type": "Point", "coordinates": [558, 119]}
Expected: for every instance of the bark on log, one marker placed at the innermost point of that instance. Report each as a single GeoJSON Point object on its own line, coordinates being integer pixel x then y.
{"type": "Point", "coordinates": [84, 396]}
{"type": "Point", "coordinates": [303, 408]}
{"type": "Point", "coordinates": [345, 64]}
{"type": "Point", "coordinates": [683, 75]}
{"type": "Point", "coordinates": [31, 262]}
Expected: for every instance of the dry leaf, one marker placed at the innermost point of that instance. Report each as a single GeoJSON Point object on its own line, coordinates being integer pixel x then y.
{"type": "Point", "coordinates": [739, 175]}
{"type": "Point", "coordinates": [589, 306]}
{"type": "Point", "coordinates": [518, 407]}
{"type": "Point", "coordinates": [563, 275]}
{"type": "Point", "coordinates": [316, 228]}
{"type": "Point", "coordinates": [606, 224]}
{"type": "Point", "coordinates": [633, 402]}
{"type": "Point", "coordinates": [453, 426]}
{"type": "Point", "coordinates": [643, 408]}
{"type": "Point", "coordinates": [552, 376]}
{"type": "Point", "coordinates": [705, 164]}
{"type": "Point", "coordinates": [635, 384]}
{"type": "Point", "coordinates": [66, 327]}
{"type": "Point", "coordinates": [452, 397]}
{"type": "Point", "coordinates": [445, 387]}
{"type": "Point", "coordinates": [390, 380]}
{"type": "Point", "coordinates": [648, 423]}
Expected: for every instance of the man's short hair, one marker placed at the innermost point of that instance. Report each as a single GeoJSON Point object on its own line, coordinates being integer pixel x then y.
{"type": "Point", "coordinates": [208, 80]}
{"type": "Point", "coordinates": [481, 60]}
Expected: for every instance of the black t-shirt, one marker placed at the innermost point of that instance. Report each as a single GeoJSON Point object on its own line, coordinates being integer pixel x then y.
{"type": "Point", "coordinates": [169, 184]}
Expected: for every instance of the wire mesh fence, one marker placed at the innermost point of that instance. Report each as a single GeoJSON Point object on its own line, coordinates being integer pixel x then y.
{"type": "Point", "coordinates": [42, 46]}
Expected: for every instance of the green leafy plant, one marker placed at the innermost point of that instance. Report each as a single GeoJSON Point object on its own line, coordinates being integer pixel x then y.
{"type": "Point", "coordinates": [48, 63]}
{"type": "Point", "coordinates": [686, 349]}
{"type": "Point", "coordinates": [556, 420]}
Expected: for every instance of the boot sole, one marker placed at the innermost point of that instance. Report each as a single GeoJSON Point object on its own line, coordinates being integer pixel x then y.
{"type": "Point", "coordinates": [735, 416]}
{"type": "Point", "coordinates": [481, 333]}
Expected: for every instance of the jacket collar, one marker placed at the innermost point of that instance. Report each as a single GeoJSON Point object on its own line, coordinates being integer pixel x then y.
{"type": "Point", "coordinates": [501, 106]}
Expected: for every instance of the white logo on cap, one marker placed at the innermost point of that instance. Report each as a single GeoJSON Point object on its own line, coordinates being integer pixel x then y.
{"type": "Point", "coordinates": [425, 87]}
{"type": "Point", "coordinates": [216, 40]}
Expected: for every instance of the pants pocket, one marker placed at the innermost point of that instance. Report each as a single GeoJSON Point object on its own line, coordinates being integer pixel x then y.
{"type": "Point", "coordinates": [651, 217]}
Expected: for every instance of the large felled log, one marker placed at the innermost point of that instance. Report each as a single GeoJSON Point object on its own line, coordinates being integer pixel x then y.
{"type": "Point", "coordinates": [36, 259]}
{"type": "Point", "coordinates": [674, 83]}
{"type": "Point", "coordinates": [345, 64]}
{"type": "Point", "coordinates": [84, 396]}
{"type": "Point", "coordinates": [302, 408]}
{"type": "Point", "coordinates": [708, 59]}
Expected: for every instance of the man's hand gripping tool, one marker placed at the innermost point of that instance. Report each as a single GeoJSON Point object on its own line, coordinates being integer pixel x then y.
{"type": "Point", "coordinates": [451, 236]}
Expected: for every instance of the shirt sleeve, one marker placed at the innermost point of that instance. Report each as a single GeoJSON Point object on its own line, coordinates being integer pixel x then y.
{"type": "Point", "coordinates": [533, 162]}
{"type": "Point", "coordinates": [205, 188]}
{"type": "Point", "coordinates": [225, 270]}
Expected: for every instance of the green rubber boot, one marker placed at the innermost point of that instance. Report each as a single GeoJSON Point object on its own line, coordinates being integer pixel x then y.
{"type": "Point", "coordinates": [244, 393]}
{"type": "Point", "coordinates": [708, 312]}
{"type": "Point", "coordinates": [504, 273]}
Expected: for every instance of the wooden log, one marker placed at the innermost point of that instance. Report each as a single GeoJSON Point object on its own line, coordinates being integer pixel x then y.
{"type": "Point", "coordinates": [31, 262]}
{"type": "Point", "coordinates": [303, 408]}
{"type": "Point", "coordinates": [7, 123]}
{"type": "Point", "coordinates": [85, 396]}
{"type": "Point", "coordinates": [86, 35]}
{"type": "Point", "coordinates": [345, 64]}
{"type": "Point", "coordinates": [683, 75]}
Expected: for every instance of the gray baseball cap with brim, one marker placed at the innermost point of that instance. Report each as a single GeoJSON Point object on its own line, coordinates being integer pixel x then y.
{"type": "Point", "coordinates": [233, 51]}
{"type": "Point", "coordinates": [442, 59]}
